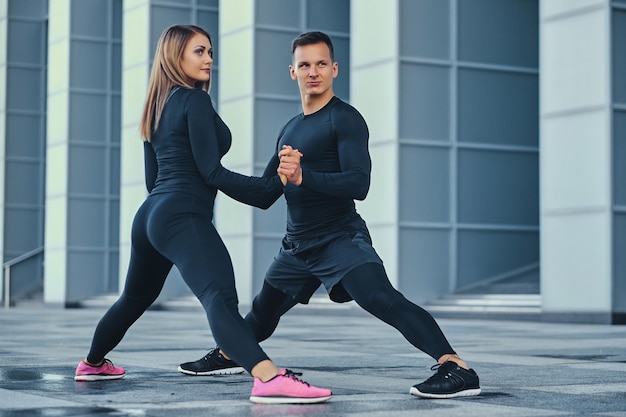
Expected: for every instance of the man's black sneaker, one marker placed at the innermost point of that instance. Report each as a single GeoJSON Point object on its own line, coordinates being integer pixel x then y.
{"type": "Point", "coordinates": [213, 363]}
{"type": "Point", "coordinates": [450, 381]}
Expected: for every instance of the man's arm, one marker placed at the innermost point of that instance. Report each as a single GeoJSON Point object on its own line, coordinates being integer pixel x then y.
{"type": "Point", "coordinates": [353, 180]}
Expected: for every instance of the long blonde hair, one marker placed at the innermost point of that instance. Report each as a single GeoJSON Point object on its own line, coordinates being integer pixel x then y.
{"type": "Point", "coordinates": [167, 73]}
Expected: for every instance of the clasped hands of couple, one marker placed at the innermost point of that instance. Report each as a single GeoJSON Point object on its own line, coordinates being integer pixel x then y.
{"type": "Point", "coordinates": [289, 169]}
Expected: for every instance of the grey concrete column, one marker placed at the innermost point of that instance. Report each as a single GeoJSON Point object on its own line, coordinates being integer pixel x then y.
{"type": "Point", "coordinates": [234, 220]}
{"type": "Point", "coordinates": [55, 275]}
{"type": "Point", "coordinates": [374, 91]}
{"type": "Point", "coordinates": [136, 61]}
{"type": "Point", "coordinates": [577, 257]}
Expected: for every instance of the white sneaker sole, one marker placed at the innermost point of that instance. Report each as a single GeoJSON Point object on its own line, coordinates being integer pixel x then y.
{"type": "Point", "coordinates": [97, 377]}
{"type": "Point", "coordinates": [226, 371]}
{"type": "Point", "coordinates": [464, 393]}
{"type": "Point", "coordinates": [288, 400]}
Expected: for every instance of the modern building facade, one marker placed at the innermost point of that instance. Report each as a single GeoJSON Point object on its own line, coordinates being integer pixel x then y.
{"type": "Point", "coordinates": [497, 135]}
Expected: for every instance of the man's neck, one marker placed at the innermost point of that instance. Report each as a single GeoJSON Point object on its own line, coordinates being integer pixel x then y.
{"type": "Point", "coordinates": [311, 104]}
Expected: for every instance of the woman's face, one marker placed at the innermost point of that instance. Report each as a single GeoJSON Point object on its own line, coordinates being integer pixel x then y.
{"type": "Point", "coordinates": [198, 58]}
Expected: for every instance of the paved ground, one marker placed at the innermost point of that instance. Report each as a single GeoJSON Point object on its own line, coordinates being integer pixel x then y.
{"type": "Point", "coordinates": [526, 368]}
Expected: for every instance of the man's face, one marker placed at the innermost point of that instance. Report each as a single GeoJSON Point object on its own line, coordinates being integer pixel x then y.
{"type": "Point", "coordinates": [313, 69]}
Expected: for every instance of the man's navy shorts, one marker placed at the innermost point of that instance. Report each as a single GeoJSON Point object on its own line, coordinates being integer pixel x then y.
{"type": "Point", "coordinates": [301, 265]}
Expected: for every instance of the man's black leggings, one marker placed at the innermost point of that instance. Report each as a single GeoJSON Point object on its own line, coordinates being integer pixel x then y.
{"type": "Point", "coordinates": [369, 286]}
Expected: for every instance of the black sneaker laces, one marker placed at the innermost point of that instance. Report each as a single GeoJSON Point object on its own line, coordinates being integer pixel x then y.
{"type": "Point", "coordinates": [294, 375]}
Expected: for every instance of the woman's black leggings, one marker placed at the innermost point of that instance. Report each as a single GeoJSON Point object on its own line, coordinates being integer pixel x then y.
{"type": "Point", "coordinates": [369, 286]}
{"type": "Point", "coordinates": [176, 229]}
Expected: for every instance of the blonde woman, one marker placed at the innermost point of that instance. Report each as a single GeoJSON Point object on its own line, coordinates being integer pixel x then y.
{"type": "Point", "coordinates": [184, 141]}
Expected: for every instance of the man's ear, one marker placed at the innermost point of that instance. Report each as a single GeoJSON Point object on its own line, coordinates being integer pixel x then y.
{"type": "Point", "coordinates": [335, 69]}
{"type": "Point", "coordinates": [292, 72]}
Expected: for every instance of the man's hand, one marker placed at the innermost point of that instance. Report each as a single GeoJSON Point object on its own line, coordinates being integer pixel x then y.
{"type": "Point", "coordinates": [289, 168]}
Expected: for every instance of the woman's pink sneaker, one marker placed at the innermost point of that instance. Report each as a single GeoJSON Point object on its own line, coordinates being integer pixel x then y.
{"type": "Point", "coordinates": [86, 372]}
{"type": "Point", "coordinates": [287, 388]}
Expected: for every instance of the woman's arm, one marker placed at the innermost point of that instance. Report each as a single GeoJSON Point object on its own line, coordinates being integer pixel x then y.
{"type": "Point", "coordinates": [204, 127]}
{"type": "Point", "coordinates": [150, 165]}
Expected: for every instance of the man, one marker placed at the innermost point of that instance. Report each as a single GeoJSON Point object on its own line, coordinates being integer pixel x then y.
{"type": "Point", "coordinates": [327, 241]}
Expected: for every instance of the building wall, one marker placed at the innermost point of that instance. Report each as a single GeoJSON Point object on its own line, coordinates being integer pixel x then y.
{"type": "Point", "coordinates": [455, 106]}
{"type": "Point", "coordinates": [82, 146]}
{"type": "Point", "coordinates": [457, 136]}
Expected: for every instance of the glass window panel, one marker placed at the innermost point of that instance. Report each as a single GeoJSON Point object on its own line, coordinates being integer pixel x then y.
{"type": "Point", "coordinates": [210, 22]}
{"type": "Point", "coordinates": [424, 102]}
{"type": "Point", "coordinates": [24, 136]}
{"type": "Point", "coordinates": [90, 18]}
{"type": "Point", "coordinates": [619, 158]}
{"type": "Point", "coordinates": [619, 56]}
{"type": "Point", "coordinates": [278, 12]}
{"type": "Point", "coordinates": [425, 29]}
{"type": "Point", "coordinates": [498, 187]}
{"type": "Point", "coordinates": [87, 118]}
{"type": "Point", "coordinates": [27, 276]}
{"type": "Point", "coordinates": [270, 117]}
{"type": "Point", "coordinates": [86, 220]}
{"type": "Point", "coordinates": [27, 43]}
{"type": "Point", "coordinates": [271, 220]}
{"type": "Point", "coordinates": [272, 72]}
{"type": "Point", "coordinates": [424, 270]}
{"type": "Point", "coordinates": [116, 120]}
{"type": "Point", "coordinates": [114, 271]}
{"type": "Point", "coordinates": [30, 8]}
{"type": "Point", "coordinates": [619, 283]}
{"type": "Point", "coordinates": [88, 65]}
{"type": "Point", "coordinates": [264, 251]}
{"type": "Point", "coordinates": [163, 17]}
{"type": "Point", "coordinates": [328, 15]}
{"type": "Point", "coordinates": [81, 264]}
{"type": "Point", "coordinates": [114, 224]}
{"type": "Point", "coordinates": [25, 89]}
{"type": "Point", "coordinates": [23, 182]}
{"type": "Point", "coordinates": [341, 84]}
{"type": "Point", "coordinates": [424, 184]}
{"type": "Point", "coordinates": [87, 169]}
{"type": "Point", "coordinates": [498, 107]}
{"type": "Point", "coordinates": [118, 19]}
{"type": "Point", "coordinates": [22, 225]}
{"type": "Point", "coordinates": [499, 32]}
{"type": "Point", "coordinates": [114, 155]}
{"type": "Point", "coordinates": [116, 67]}
{"type": "Point", "coordinates": [484, 254]}
{"type": "Point", "coordinates": [209, 3]}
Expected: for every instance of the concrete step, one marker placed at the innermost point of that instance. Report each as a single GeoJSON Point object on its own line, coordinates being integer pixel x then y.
{"type": "Point", "coordinates": [507, 306]}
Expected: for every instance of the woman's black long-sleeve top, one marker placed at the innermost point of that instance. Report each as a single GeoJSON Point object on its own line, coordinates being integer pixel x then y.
{"type": "Point", "coordinates": [185, 151]}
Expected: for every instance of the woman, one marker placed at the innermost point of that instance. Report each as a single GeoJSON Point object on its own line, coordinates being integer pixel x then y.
{"type": "Point", "coordinates": [184, 140]}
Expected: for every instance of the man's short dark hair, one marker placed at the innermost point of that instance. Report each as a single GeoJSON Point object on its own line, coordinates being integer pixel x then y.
{"type": "Point", "coordinates": [311, 38]}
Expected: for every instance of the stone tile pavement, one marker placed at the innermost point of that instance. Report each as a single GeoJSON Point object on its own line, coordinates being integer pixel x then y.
{"type": "Point", "coordinates": [527, 368]}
